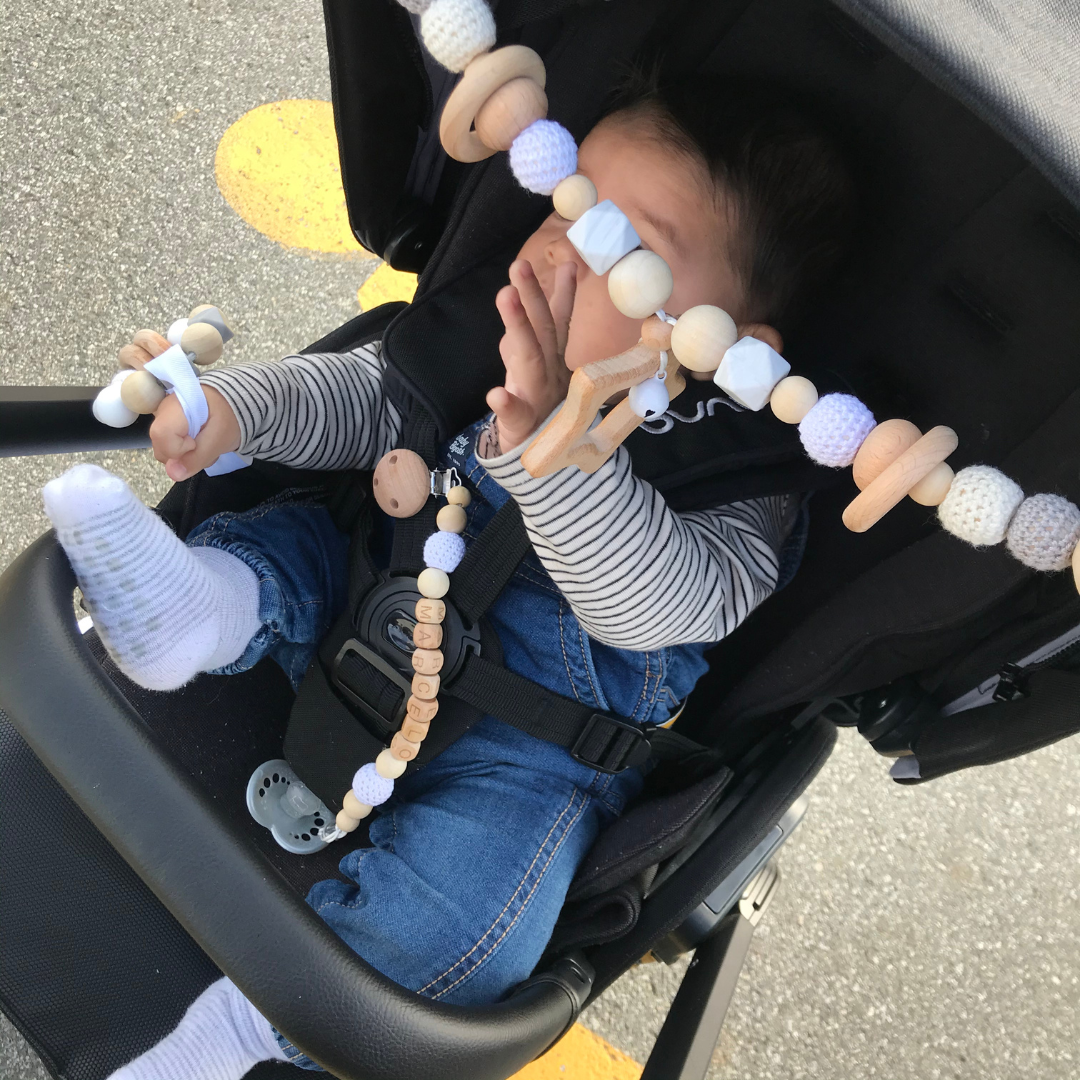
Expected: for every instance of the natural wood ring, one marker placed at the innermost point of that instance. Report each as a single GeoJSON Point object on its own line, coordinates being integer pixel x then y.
{"type": "Point", "coordinates": [893, 483]}
{"type": "Point", "coordinates": [481, 79]}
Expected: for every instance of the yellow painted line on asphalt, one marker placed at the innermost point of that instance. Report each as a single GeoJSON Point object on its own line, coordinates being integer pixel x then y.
{"type": "Point", "coordinates": [385, 285]}
{"type": "Point", "coordinates": [581, 1055]}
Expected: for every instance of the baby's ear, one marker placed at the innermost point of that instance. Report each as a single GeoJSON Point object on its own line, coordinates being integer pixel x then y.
{"type": "Point", "coordinates": [763, 332]}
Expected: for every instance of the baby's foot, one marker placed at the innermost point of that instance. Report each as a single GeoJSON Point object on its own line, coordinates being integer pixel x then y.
{"type": "Point", "coordinates": [164, 611]}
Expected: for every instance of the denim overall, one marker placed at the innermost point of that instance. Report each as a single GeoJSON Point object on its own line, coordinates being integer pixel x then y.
{"type": "Point", "coordinates": [474, 853]}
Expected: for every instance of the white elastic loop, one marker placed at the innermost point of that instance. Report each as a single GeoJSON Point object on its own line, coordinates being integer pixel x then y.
{"type": "Point", "coordinates": [173, 369]}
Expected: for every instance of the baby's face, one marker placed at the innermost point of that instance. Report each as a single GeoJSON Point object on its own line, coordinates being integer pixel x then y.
{"type": "Point", "coordinates": [670, 203]}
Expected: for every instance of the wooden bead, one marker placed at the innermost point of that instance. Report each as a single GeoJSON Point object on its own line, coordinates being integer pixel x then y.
{"type": "Point", "coordinates": [430, 610]}
{"type": "Point", "coordinates": [932, 488]}
{"type": "Point", "coordinates": [427, 661]}
{"type": "Point", "coordinates": [427, 635]}
{"type": "Point", "coordinates": [656, 333]}
{"type": "Point", "coordinates": [141, 392]}
{"type": "Point", "coordinates": [1076, 566]}
{"type": "Point", "coordinates": [509, 111]}
{"type": "Point", "coordinates": [482, 78]}
{"type": "Point", "coordinates": [433, 583]}
{"type": "Point", "coordinates": [133, 356]}
{"type": "Point", "coordinates": [792, 398]}
{"type": "Point", "coordinates": [425, 686]}
{"type": "Point", "coordinates": [403, 749]}
{"type": "Point", "coordinates": [639, 283]}
{"type": "Point", "coordinates": [459, 496]}
{"type": "Point", "coordinates": [573, 196]}
{"type": "Point", "coordinates": [354, 807]}
{"type": "Point", "coordinates": [415, 729]}
{"type": "Point", "coordinates": [452, 518]}
{"type": "Point", "coordinates": [421, 709]}
{"type": "Point", "coordinates": [388, 766]}
{"type": "Point", "coordinates": [204, 341]}
{"type": "Point", "coordinates": [884, 492]}
{"type": "Point", "coordinates": [701, 336]}
{"type": "Point", "coordinates": [402, 483]}
{"type": "Point", "coordinates": [346, 822]}
{"type": "Point", "coordinates": [881, 448]}
{"type": "Point", "coordinates": [151, 341]}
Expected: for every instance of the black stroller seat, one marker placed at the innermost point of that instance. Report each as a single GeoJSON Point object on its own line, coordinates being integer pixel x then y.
{"type": "Point", "coordinates": [960, 309]}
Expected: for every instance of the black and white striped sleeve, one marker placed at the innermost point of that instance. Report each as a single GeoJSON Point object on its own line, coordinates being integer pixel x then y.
{"type": "Point", "coordinates": [323, 411]}
{"type": "Point", "coordinates": [638, 575]}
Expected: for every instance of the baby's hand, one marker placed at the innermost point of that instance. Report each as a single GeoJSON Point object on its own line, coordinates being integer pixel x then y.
{"type": "Point", "coordinates": [182, 455]}
{"type": "Point", "coordinates": [532, 350]}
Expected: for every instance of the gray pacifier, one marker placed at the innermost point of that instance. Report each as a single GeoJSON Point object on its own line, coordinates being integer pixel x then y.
{"type": "Point", "coordinates": [278, 800]}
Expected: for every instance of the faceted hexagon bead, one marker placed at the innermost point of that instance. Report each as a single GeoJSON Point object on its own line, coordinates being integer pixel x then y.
{"type": "Point", "coordinates": [980, 505]}
{"type": "Point", "coordinates": [602, 236]}
{"type": "Point", "coordinates": [1044, 532]}
{"type": "Point", "coordinates": [834, 429]}
{"type": "Point", "coordinates": [749, 371]}
{"type": "Point", "coordinates": [444, 550]}
{"type": "Point", "coordinates": [544, 154]}
{"type": "Point", "coordinates": [371, 788]}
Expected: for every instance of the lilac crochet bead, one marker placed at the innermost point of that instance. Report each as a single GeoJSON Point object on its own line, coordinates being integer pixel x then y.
{"type": "Point", "coordinates": [542, 155]}
{"type": "Point", "coordinates": [371, 788]}
{"type": "Point", "coordinates": [834, 429]}
{"type": "Point", "coordinates": [444, 550]}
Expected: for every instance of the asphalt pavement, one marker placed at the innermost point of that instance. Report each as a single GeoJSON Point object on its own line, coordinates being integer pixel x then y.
{"type": "Point", "coordinates": [919, 932]}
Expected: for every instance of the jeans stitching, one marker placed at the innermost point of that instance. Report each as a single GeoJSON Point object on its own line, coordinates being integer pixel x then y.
{"type": "Point", "coordinates": [524, 906]}
{"type": "Point", "coordinates": [644, 688]}
{"type": "Point", "coordinates": [566, 658]}
{"type": "Point", "coordinates": [539, 852]}
{"type": "Point", "coordinates": [588, 674]}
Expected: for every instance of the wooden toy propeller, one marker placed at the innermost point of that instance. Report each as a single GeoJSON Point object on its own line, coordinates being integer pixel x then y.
{"type": "Point", "coordinates": [570, 439]}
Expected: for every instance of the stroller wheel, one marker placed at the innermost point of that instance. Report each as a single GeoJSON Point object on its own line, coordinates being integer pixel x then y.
{"type": "Point", "coordinates": [278, 800]}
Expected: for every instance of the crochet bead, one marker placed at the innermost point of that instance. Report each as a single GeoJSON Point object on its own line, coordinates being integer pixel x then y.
{"type": "Point", "coordinates": [451, 518]}
{"type": "Point", "coordinates": [427, 661]}
{"type": "Point", "coordinates": [649, 399]}
{"type": "Point", "coordinates": [401, 482]}
{"type": "Point", "coordinates": [371, 788]}
{"type": "Point", "coordinates": [573, 196]}
{"type": "Point", "coordinates": [934, 486]}
{"type": "Point", "coordinates": [346, 822]}
{"type": "Point", "coordinates": [454, 31]}
{"type": "Point", "coordinates": [420, 709]}
{"type": "Point", "coordinates": [834, 429]}
{"type": "Point", "coordinates": [403, 749]}
{"type": "Point", "coordinates": [792, 398]}
{"type": "Point", "coordinates": [980, 505]}
{"type": "Point", "coordinates": [542, 155]}
{"type": "Point", "coordinates": [701, 336]}
{"type": "Point", "coordinates": [444, 550]}
{"type": "Point", "coordinates": [749, 371]}
{"type": "Point", "coordinates": [172, 335]}
{"type": "Point", "coordinates": [414, 729]}
{"type": "Point", "coordinates": [430, 610]}
{"type": "Point", "coordinates": [354, 807]}
{"type": "Point", "coordinates": [459, 495]}
{"type": "Point", "coordinates": [425, 687]}
{"type": "Point", "coordinates": [427, 635]}
{"type": "Point", "coordinates": [433, 582]}
{"type": "Point", "coordinates": [602, 236]}
{"type": "Point", "coordinates": [388, 766]}
{"type": "Point", "coordinates": [639, 283]}
{"type": "Point", "coordinates": [415, 7]}
{"type": "Point", "coordinates": [109, 409]}
{"type": "Point", "coordinates": [1044, 532]}
{"type": "Point", "coordinates": [509, 111]}
{"type": "Point", "coordinates": [881, 448]}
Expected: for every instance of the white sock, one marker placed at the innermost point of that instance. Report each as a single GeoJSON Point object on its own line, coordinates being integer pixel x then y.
{"type": "Point", "coordinates": [221, 1037]}
{"type": "Point", "coordinates": [164, 611]}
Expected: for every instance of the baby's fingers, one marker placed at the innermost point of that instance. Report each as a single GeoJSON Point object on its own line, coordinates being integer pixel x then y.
{"type": "Point", "coordinates": [169, 431]}
{"type": "Point", "coordinates": [536, 307]}
{"type": "Point", "coordinates": [562, 301]}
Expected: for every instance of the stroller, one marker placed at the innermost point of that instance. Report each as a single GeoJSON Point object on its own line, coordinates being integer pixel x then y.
{"type": "Point", "coordinates": [962, 307]}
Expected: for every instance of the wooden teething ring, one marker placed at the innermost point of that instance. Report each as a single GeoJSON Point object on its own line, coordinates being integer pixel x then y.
{"type": "Point", "coordinates": [481, 79]}
{"type": "Point", "coordinates": [894, 482]}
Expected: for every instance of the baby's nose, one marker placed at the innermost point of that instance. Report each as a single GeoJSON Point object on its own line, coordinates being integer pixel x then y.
{"type": "Point", "coordinates": [560, 251]}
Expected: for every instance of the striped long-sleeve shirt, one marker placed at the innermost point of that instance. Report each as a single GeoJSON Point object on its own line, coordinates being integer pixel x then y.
{"type": "Point", "coordinates": [636, 574]}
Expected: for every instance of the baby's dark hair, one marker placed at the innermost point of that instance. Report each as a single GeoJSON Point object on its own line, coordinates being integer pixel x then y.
{"type": "Point", "coordinates": [784, 181]}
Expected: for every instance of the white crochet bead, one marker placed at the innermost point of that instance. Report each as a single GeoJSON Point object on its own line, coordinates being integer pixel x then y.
{"type": "Point", "coordinates": [639, 283]}
{"type": "Point", "coordinates": [108, 406]}
{"type": "Point", "coordinates": [749, 371]}
{"type": "Point", "coordinates": [457, 31]}
{"type": "Point", "coordinates": [371, 788]}
{"type": "Point", "coordinates": [1044, 532]}
{"type": "Point", "coordinates": [415, 7]}
{"type": "Point", "coordinates": [602, 236]}
{"type": "Point", "coordinates": [650, 398]}
{"type": "Point", "coordinates": [444, 550]}
{"type": "Point", "coordinates": [834, 429]}
{"type": "Point", "coordinates": [980, 505]}
{"type": "Point", "coordinates": [542, 155]}
{"type": "Point", "coordinates": [175, 332]}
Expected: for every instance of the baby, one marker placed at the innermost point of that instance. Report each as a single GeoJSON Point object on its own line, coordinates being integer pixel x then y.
{"type": "Point", "coordinates": [748, 206]}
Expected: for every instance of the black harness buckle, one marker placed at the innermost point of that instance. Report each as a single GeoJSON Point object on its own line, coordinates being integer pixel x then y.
{"type": "Point", "coordinates": [350, 687]}
{"type": "Point", "coordinates": [610, 744]}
